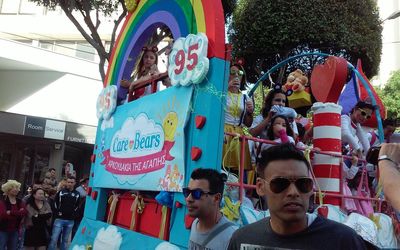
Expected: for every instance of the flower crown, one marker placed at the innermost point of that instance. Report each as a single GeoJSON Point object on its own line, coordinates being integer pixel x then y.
{"type": "Point", "coordinates": [150, 48]}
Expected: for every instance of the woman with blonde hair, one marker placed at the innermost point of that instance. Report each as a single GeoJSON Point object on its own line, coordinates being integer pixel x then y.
{"type": "Point", "coordinates": [145, 68]}
{"type": "Point", "coordinates": [12, 212]}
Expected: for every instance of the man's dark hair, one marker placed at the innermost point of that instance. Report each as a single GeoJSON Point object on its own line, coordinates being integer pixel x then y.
{"type": "Point", "coordinates": [51, 169]}
{"type": "Point", "coordinates": [215, 179]}
{"type": "Point", "coordinates": [285, 151]}
{"type": "Point", "coordinates": [71, 177]}
{"type": "Point", "coordinates": [363, 105]}
{"type": "Point", "coordinates": [388, 122]}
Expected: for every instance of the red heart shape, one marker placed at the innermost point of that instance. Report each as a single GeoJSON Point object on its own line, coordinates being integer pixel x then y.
{"type": "Point", "coordinates": [94, 195]}
{"type": "Point", "coordinates": [89, 191]}
{"type": "Point", "coordinates": [196, 153]}
{"type": "Point", "coordinates": [188, 221]}
{"type": "Point", "coordinates": [200, 121]}
{"type": "Point", "coordinates": [323, 211]}
{"type": "Point", "coordinates": [328, 79]}
{"type": "Point", "coordinates": [178, 204]}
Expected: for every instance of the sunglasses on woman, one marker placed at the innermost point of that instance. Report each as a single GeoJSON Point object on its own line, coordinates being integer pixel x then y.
{"type": "Point", "coordinates": [196, 193]}
{"type": "Point", "coordinates": [280, 184]}
{"type": "Point", "coordinates": [236, 72]}
{"type": "Point", "coordinates": [364, 113]}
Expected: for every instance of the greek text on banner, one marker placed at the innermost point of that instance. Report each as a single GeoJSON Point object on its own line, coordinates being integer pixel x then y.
{"type": "Point", "coordinates": [135, 165]}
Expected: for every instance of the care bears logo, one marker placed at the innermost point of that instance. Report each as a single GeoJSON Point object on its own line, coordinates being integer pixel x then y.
{"type": "Point", "coordinates": [137, 137]}
{"type": "Point", "coordinates": [137, 148]}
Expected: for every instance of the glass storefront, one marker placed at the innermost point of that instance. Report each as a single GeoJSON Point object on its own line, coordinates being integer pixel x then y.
{"type": "Point", "coordinates": [27, 159]}
{"type": "Point", "coordinates": [30, 145]}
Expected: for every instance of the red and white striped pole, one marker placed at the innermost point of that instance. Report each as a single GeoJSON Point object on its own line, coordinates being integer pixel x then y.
{"type": "Point", "coordinates": [327, 137]}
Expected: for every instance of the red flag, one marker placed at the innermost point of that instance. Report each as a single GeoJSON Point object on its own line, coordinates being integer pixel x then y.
{"type": "Point", "coordinates": [364, 95]}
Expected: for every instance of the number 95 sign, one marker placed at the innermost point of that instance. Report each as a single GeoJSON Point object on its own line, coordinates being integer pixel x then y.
{"type": "Point", "coordinates": [188, 62]}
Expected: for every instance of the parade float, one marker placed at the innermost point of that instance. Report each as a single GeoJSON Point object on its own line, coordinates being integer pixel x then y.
{"type": "Point", "coordinates": [146, 148]}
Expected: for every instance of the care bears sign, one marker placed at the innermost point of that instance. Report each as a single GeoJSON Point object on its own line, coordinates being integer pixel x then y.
{"type": "Point", "coordinates": [137, 148]}
{"type": "Point", "coordinates": [144, 150]}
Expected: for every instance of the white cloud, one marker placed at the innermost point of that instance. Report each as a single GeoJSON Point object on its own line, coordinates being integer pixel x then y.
{"type": "Point", "coordinates": [134, 131]}
{"type": "Point", "coordinates": [107, 239]}
{"type": "Point", "coordinates": [80, 247]}
{"type": "Point", "coordinates": [107, 123]}
{"type": "Point", "coordinates": [166, 246]}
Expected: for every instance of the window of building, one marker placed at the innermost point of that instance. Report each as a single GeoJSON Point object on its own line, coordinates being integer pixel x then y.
{"type": "Point", "coordinates": [9, 6]}
{"type": "Point", "coordinates": [5, 163]}
{"type": "Point", "coordinates": [49, 45]}
{"type": "Point", "coordinates": [85, 51]}
{"type": "Point", "coordinates": [28, 7]}
{"type": "Point", "coordinates": [65, 48]}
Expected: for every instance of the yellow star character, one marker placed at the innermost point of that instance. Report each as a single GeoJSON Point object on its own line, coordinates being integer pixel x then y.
{"type": "Point", "coordinates": [169, 125]}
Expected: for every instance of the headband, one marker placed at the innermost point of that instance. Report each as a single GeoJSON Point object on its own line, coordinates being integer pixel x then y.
{"type": "Point", "coordinates": [150, 48]}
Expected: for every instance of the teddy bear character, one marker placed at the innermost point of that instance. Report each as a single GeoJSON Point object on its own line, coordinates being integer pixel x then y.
{"type": "Point", "coordinates": [296, 81]}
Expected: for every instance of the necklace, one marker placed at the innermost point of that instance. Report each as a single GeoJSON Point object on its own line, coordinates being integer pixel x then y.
{"type": "Point", "coordinates": [234, 105]}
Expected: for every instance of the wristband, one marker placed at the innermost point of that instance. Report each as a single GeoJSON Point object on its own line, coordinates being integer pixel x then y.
{"type": "Point", "coordinates": [386, 158]}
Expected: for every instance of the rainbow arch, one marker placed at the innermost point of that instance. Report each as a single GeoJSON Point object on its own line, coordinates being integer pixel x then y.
{"type": "Point", "coordinates": [183, 17]}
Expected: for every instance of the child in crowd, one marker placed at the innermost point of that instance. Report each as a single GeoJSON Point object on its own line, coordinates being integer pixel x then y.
{"type": "Point", "coordinates": [274, 103]}
{"type": "Point", "coordinates": [279, 131]}
{"type": "Point", "coordinates": [349, 173]}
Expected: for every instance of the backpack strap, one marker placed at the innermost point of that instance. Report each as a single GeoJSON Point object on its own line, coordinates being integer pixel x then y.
{"type": "Point", "coordinates": [214, 233]}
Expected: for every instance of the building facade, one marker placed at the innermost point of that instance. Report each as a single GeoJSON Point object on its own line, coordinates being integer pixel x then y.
{"type": "Point", "coordinates": [49, 83]}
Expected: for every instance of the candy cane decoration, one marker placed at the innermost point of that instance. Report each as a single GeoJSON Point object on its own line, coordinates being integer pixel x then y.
{"type": "Point", "coordinates": [327, 137]}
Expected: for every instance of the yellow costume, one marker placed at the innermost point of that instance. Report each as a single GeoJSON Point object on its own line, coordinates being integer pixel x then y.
{"type": "Point", "coordinates": [234, 116]}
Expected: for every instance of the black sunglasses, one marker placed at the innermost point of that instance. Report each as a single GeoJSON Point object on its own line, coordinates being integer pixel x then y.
{"type": "Point", "coordinates": [363, 113]}
{"type": "Point", "coordinates": [279, 184]}
{"type": "Point", "coordinates": [196, 193]}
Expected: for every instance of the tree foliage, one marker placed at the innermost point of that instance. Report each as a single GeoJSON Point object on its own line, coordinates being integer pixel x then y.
{"type": "Point", "coordinates": [265, 32]}
{"type": "Point", "coordinates": [390, 95]}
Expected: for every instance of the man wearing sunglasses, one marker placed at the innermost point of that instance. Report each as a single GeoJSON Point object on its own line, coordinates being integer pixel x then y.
{"type": "Point", "coordinates": [210, 230]}
{"type": "Point", "coordinates": [284, 181]}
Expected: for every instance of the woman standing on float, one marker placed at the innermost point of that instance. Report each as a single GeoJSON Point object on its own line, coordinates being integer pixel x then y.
{"type": "Point", "coordinates": [239, 113]}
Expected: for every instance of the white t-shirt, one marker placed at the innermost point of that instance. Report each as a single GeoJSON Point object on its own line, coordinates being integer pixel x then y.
{"type": "Point", "coordinates": [235, 108]}
{"type": "Point", "coordinates": [353, 134]}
